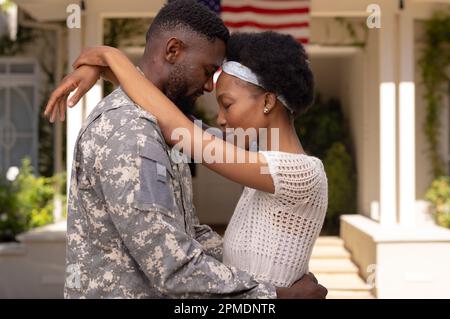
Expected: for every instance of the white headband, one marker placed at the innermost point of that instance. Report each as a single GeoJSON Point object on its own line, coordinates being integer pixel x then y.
{"type": "Point", "coordinates": [244, 73]}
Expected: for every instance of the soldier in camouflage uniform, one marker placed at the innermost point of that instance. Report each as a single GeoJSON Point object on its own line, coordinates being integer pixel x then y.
{"type": "Point", "coordinates": [132, 228]}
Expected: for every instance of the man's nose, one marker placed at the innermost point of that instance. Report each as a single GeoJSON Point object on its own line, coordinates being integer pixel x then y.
{"type": "Point", "coordinates": [209, 85]}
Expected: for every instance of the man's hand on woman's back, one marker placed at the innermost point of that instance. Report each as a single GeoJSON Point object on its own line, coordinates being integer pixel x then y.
{"type": "Point", "coordinates": [305, 288]}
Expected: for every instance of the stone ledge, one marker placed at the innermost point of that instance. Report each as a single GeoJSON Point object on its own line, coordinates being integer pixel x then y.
{"type": "Point", "coordinates": [50, 233]}
{"type": "Point", "coordinates": [12, 249]}
{"type": "Point", "coordinates": [401, 262]}
{"type": "Point", "coordinates": [397, 234]}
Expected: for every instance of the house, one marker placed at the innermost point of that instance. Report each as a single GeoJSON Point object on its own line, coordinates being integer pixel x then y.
{"type": "Point", "coordinates": [391, 238]}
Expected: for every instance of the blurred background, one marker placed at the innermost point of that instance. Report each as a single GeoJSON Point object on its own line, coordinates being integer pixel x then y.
{"type": "Point", "coordinates": [380, 124]}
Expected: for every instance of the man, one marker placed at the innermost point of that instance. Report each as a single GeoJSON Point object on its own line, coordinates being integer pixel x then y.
{"type": "Point", "coordinates": [132, 227]}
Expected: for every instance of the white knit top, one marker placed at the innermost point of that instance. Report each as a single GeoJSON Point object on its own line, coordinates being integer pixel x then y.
{"type": "Point", "coordinates": [271, 236]}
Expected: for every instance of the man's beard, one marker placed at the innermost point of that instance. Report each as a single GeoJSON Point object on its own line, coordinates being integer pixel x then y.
{"type": "Point", "coordinates": [176, 90]}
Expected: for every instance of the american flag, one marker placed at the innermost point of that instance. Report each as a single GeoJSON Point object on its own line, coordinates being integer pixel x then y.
{"type": "Point", "coordinates": [284, 16]}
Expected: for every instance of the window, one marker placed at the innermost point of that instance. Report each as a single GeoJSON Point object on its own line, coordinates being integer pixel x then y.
{"type": "Point", "coordinates": [18, 112]}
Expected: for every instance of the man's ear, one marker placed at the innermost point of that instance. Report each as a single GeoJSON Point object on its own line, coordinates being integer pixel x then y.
{"type": "Point", "coordinates": [174, 48]}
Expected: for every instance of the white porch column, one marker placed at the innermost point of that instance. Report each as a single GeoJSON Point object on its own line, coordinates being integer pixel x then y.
{"type": "Point", "coordinates": [90, 34]}
{"type": "Point", "coordinates": [75, 114]}
{"type": "Point", "coordinates": [406, 88]}
{"type": "Point", "coordinates": [388, 189]}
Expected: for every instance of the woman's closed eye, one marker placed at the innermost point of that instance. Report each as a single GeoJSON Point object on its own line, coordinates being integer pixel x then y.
{"type": "Point", "coordinates": [226, 103]}
{"type": "Point", "coordinates": [227, 106]}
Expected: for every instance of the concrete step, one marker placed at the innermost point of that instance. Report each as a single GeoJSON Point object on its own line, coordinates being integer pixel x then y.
{"type": "Point", "coordinates": [332, 266]}
{"type": "Point", "coordinates": [329, 241]}
{"type": "Point", "coordinates": [346, 294]}
{"type": "Point", "coordinates": [330, 252]}
{"type": "Point", "coordinates": [343, 282]}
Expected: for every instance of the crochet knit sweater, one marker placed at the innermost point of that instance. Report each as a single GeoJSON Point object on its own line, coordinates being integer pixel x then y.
{"type": "Point", "coordinates": [271, 236]}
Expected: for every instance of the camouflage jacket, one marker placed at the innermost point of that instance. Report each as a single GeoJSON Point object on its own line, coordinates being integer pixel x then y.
{"type": "Point", "coordinates": [132, 228]}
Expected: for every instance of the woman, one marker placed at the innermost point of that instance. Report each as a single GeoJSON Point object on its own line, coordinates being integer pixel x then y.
{"type": "Point", "coordinates": [265, 83]}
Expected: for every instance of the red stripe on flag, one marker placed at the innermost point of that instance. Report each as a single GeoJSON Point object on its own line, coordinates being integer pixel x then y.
{"type": "Point", "coordinates": [263, 10]}
{"type": "Point", "coordinates": [303, 40]}
{"type": "Point", "coordinates": [266, 25]}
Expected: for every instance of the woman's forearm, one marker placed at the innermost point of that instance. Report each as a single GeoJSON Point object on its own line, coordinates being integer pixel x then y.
{"type": "Point", "coordinates": [108, 75]}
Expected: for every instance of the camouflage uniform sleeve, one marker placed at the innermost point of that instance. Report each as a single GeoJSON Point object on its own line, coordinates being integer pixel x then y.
{"type": "Point", "coordinates": [211, 241]}
{"type": "Point", "coordinates": [143, 209]}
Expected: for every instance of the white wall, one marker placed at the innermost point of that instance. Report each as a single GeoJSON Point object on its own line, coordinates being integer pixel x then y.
{"type": "Point", "coordinates": [353, 80]}
{"type": "Point", "coordinates": [327, 74]}
{"type": "Point", "coordinates": [368, 148]}
{"type": "Point", "coordinates": [352, 90]}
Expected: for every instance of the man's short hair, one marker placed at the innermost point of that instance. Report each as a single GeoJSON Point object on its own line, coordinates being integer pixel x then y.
{"type": "Point", "coordinates": [189, 15]}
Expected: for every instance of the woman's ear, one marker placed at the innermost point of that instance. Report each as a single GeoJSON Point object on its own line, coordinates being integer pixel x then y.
{"type": "Point", "coordinates": [270, 100]}
{"type": "Point", "coordinates": [174, 49]}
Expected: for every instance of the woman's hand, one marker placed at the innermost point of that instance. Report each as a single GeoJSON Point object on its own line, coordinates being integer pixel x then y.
{"type": "Point", "coordinates": [82, 79]}
{"type": "Point", "coordinates": [89, 66]}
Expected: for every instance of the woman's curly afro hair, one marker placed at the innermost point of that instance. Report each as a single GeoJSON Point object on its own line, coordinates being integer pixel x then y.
{"type": "Point", "coordinates": [279, 61]}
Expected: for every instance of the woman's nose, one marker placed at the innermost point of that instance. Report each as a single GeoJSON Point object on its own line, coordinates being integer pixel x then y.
{"type": "Point", "coordinates": [221, 119]}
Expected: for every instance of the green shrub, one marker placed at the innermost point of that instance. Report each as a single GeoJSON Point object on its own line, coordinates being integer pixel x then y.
{"type": "Point", "coordinates": [439, 195]}
{"type": "Point", "coordinates": [26, 202]}
{"type": "Point", "coordinates": [9, 224]}
{"type": "Point", "coordinates": [321, 126]}
{"type": "Point", "coordinates": [341, 185]}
